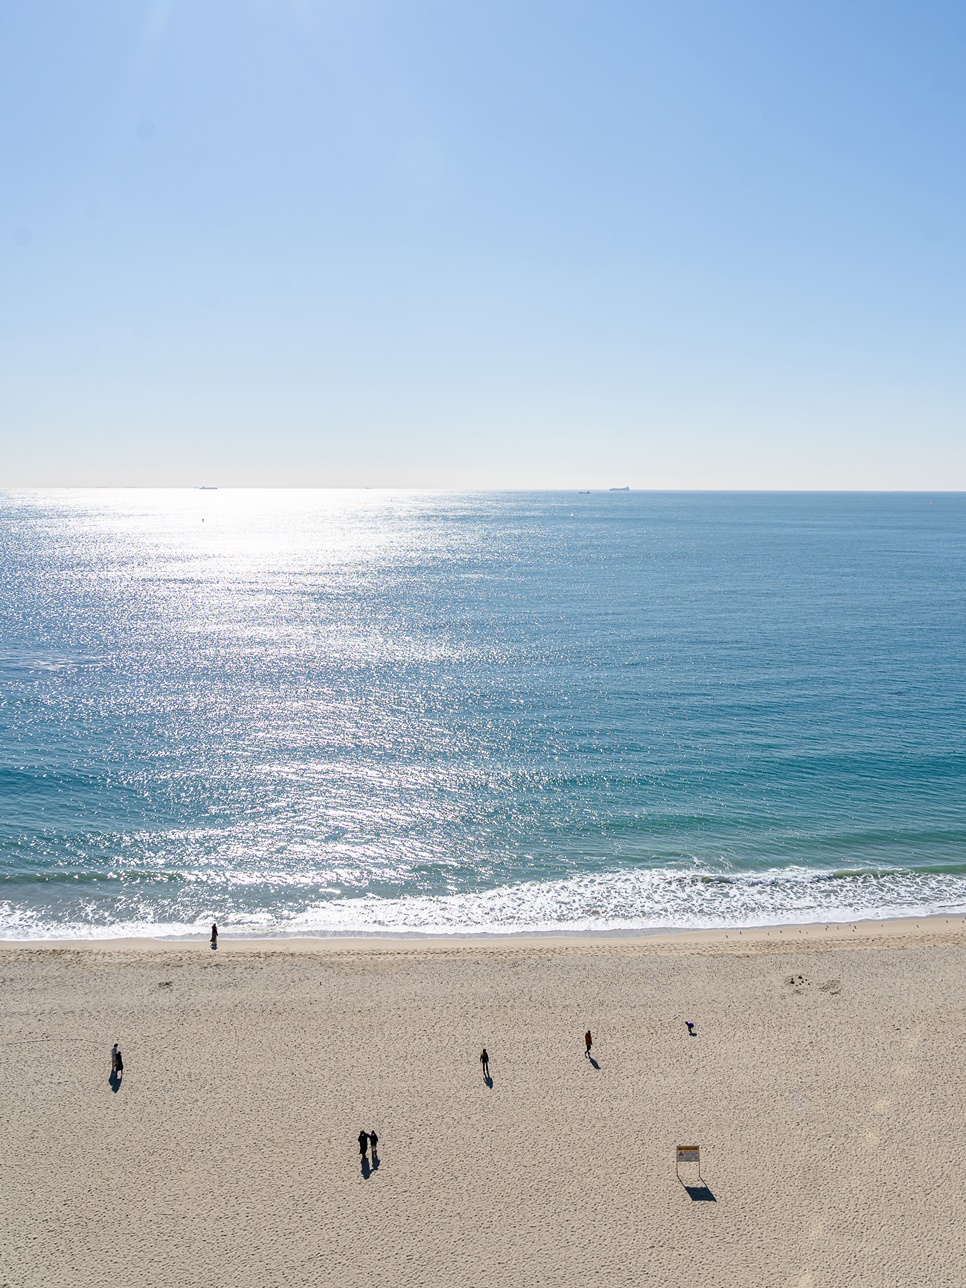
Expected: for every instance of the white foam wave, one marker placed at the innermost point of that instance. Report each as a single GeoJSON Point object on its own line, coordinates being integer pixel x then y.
{"type": "Point", "coordinates": [634, 900]}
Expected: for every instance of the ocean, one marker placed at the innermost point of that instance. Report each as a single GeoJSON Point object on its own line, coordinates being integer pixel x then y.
{"type": "Point", "coordinates": [382, 712]}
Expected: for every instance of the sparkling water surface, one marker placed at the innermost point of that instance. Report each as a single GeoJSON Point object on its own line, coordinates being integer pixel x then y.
{"type": "Point", "coordinates": [342, 712]}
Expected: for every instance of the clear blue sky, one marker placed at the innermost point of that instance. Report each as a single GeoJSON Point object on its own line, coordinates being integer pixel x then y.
{"type": "Point", "coordinates": [462, 244]}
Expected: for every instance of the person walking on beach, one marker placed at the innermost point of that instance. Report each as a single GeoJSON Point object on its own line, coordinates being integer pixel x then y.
{"type": "Point", "coordinates": [363, 1143]}
{"type": "Point", "coordinates": [485, 1062]}
{"type": "Point", "coordinates": [373, 1142]}
{"type": "Point", "coordinates": [690, 1024]}
{"type": "Point", "coordinates": [117, 1062]}
{"type": "Point", "coordinates": [588, 1042]}
{"type": "Point", "coordinates": [214, 935]}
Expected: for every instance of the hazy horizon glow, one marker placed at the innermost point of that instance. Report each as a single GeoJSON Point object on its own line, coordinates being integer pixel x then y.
{"type": "Point", "coordinates": [295, 243]}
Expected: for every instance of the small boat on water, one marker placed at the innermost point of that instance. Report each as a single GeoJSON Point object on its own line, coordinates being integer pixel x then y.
{"type": "Point", "coordinates": [206, 487]}
{"type": "Point", "coordinates": [618, 489]}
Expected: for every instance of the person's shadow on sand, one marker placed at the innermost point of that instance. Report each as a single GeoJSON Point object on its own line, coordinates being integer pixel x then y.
{"type": "Point", "coordinates": [366, 1169]}
{"type": "Point", "coordinates": [593, 1062]}
{"type": "Point", "coordinates": [488, 1081]}
{"type": "Point", "coordinates": [375, 1159]}
{"type": "Point", "coordinates": [114, 1081]}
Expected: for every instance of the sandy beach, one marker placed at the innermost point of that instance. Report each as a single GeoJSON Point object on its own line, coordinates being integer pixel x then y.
{"type": "Point", "coordinates": [825, 1086]}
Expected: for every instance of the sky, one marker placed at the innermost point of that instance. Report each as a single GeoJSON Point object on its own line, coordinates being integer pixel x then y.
{"type": "Point", "coordinates": [339, 243]}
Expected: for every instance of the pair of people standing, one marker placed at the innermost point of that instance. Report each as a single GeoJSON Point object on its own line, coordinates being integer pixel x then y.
{"type": "Point", "coordinates": [367, 1140]}
{"type": "Point", "coordinates": [117, 1061]}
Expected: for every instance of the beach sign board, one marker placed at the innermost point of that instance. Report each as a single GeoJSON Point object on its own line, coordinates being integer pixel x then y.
{"type": "Point", "coordinates": [689, 1154]}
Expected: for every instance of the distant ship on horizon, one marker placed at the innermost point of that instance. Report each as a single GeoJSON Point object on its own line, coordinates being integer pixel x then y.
{"type": "Point", "coordinates": [618, 489]}
{"type": "Point", "coordinates": [207, 487]}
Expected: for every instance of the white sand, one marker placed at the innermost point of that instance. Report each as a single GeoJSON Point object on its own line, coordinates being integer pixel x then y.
{"type": "Point", "coordinates": [830, 1113]}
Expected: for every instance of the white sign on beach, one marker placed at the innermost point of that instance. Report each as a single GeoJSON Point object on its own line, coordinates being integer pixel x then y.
{"type": "Point", "coordinates": [689, 1154]}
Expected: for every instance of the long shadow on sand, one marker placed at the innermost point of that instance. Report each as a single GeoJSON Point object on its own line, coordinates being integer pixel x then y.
{"type": "Point", "coordinates": [593, 1062]}
{"type": "Point", "coordinates": [699, 1194]}
{"type": "Point", "coordinates": [366, 1169]}
{"type": "Point", "coordinates": [114, 1081]}
{"type": "Point", "coordinates": [488, 1082]}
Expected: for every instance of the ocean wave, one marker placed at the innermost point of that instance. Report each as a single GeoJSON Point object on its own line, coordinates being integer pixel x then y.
{"type": "Point", "coordinates": [610, 902]}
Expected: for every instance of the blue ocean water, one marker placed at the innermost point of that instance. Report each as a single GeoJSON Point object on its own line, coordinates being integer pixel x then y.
{"type": "Point", "coordinates": [331, 712]}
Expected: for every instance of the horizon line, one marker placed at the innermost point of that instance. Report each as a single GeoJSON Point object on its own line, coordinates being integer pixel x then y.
{"type": "Point", "coordinates": [364, 487]}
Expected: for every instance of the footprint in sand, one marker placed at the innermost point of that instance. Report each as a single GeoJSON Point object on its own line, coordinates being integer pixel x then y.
{"type": "Point", "coordinates": [796, 982]}
{"type": "Point", "coordinates": [832, 986]}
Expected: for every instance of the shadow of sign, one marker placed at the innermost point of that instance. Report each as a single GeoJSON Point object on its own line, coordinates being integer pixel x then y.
{"type": "Point", "coordinates": [700, 1193]}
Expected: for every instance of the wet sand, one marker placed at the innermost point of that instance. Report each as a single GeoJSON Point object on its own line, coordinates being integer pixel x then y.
{"type": "Point", "coordinates": [825, 1086]}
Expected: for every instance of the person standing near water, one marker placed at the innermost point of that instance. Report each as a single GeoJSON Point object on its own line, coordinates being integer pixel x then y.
{"type": "Point", "coordinates": [588, 1042]}
{"type": "Point", "coordinates": [485, 1062]}
{"type": "Point", "coordinates": [214, 935]}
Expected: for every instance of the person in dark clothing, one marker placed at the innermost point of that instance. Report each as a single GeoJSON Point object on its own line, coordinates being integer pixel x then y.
{"type": "Point", "coordinates": [363, 1143]}
{"type": "Point", "coordinates": [485, 1062]}
{"type": "Point", "coordinates": [117, 1061]}
{"type": "Point", "coordinates": [588, 1042]}
{"type": "Point", "coordinates": [373, 1142]}
{"type": "Point", "coordinates": [214, 935]}
{"type": "Point", "coordinates": [690, 1024]}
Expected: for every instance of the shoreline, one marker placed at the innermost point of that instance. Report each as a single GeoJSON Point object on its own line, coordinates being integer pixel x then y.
{"type": "Point", "coordinates": [783, 933]}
